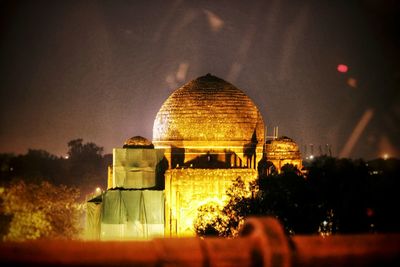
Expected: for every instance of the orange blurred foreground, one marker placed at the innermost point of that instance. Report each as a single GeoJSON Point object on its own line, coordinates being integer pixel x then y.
{"type": "Point", "coordinates": [262, 242]}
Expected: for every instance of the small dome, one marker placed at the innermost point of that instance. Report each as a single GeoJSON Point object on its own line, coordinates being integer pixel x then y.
{"type": "Point", "coordinates": [138, 142]}
{"type": "Point", "coordinates": [282, 148]}
{"type": "Point", "coordinates": [208, 109]}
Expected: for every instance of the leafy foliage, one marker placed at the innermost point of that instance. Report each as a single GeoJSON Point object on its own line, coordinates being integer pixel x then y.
{"type": "Point", "coordinates": [335, 196]}
{"type": "Point", "coordinates": [214, 220]}
{"type": "Point", "coordinates": [37, 196]}
{"type": "Point", "coordinates": [85, 167]}
{"type": "Point", "coordinates": [80, 151]}
{"type": "Point", "coordinates": [40, 211]}
{"type": "Point", "coordinates": [362, 195]}
{"type": "Point", "coordinates": [211, 221]}
{"type": "Point", "coordinates": [285, 196]}
{"type": "Point", "coordinates": [33, 166]}
{"type": "Point", "coordinates": [290, 198]}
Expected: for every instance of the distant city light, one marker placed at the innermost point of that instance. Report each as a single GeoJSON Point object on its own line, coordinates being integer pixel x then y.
{"type": "Point", "coordinates": [98, 190]}
{"type": "Point", "coordinates": [352, 82]}
{"type": "Point", "coordinates": [312, 157]}
{"type": "Point", "coordinates": [66, 157]}
{"type": "Point", "coordinates": [370, 212]}
{"type": "Point", "coordinates": [342, 68]}
{"type": "Point", "coordinates": [385, 156]}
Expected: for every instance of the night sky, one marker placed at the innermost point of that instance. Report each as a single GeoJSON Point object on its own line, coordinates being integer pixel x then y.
{"type": "Point", "coordinates": [100, 70]}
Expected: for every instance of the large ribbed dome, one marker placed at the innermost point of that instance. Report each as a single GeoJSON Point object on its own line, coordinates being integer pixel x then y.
{"type": "Point", "coordinates": [208, 109]}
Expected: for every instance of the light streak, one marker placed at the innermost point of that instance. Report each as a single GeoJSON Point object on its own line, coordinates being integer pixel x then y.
{"type": "Point", "coordinates": [355, 135]}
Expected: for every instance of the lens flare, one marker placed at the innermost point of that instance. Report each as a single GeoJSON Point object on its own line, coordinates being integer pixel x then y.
{"type": "Point", "coordinates": [342, 68]}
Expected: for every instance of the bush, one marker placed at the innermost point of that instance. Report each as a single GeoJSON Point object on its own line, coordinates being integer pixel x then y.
{"type": "Point", "coordinates": [39, 211]}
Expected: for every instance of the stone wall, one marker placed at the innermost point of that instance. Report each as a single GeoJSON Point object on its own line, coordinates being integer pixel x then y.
{"type": "Point", "coordinates": [187, 189]}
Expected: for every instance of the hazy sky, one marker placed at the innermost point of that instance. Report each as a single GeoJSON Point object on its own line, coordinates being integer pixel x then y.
{"type": "Point", "coordinates": [100, 70]}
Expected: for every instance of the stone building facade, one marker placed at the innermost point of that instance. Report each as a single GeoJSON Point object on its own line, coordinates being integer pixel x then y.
{"type": "Point", "coordinates": [205, 135]}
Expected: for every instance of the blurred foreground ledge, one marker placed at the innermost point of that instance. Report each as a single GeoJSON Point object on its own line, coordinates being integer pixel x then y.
{"type": "Point", "coordinates": [262, 242]}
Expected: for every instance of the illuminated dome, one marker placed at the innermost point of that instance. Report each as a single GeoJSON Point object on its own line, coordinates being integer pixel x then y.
{"type": "Point", "coordinates": [281, 151]}
{"type": "Point", "coordinates": [208, 110]}
{"type": "Point", "coordinates": [282, 148]}
{"type": "Point", "coordinates": [138, 142]}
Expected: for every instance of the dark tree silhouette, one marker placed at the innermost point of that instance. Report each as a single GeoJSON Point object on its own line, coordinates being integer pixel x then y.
{"type": "Point", "coordinates": [290, 198]}
{"type": "Point", "coordinates": [85, 167]}
{"type": "Point", "coordinates": [362, 195]}
{"type": "Point", "coordinates": [286, 196]}
{"type": "Point", "coordinates": [77, 150]}
{"type": "Point", "coordinates": [335, 196]}
{"type": "Point", "coordinates": [35, 166]}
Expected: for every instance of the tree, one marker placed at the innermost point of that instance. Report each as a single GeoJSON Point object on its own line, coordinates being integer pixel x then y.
{"type": "Point", "coordinates": [336, 196]}
{"type": "Point", "coordinates": [78, 150]}
{"type": "Point", "coordinates": [382, 189]}
{"type": "Point", "coordinates": [35, 165]}
{"type": "Point", "coordinates": [290, 198]}
{"type": "Point", "coordinates": [286, 196]}
{"type": "Point", "coordinates": [214, 220]}
{"type": "Point", "coordinates": [362, 195]}
{"type": "Point", "coordinates": [39, 211]}
{"type": "Point", "coordinates": [211, 221]}
{"type": "Point", "coordinates": [86, 166]}
{"type": "Point", "coordinates": [5, 167]}
{"type": "Point", "coordinates": [342, 185]}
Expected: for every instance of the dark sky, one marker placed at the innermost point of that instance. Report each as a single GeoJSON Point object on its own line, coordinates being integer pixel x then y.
{"type": "Point", "coordinates": [100, 70]}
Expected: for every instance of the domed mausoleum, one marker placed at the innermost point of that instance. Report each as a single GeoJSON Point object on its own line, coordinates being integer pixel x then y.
{"type": "Point", "coordinates": [281, 151]}
{"type": "Point", "coordinates": [211, 133]}
{"type": "Point", "coordinates": [205, 135]}
{"type": "Point", "coordinates": [211, 115]}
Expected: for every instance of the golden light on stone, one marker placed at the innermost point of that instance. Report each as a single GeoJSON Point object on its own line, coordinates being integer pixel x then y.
{"type": "Point", "coordinates": [207, 109]}
{"type": "Point", "coordinates": [206, 120]}
{"type": "Point", "coordinates": [188, 189]}
{"type": "Point", "coordinates": [209, 114]}
{"type": "Point", "coordinates": [282, 151]}
{"type": "Point", "coordinates": [205, 135]}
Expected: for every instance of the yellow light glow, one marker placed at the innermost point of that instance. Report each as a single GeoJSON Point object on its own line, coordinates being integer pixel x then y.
{"type": "Point", "coordinates": [282, 151]}
{"type": "Point", "coordinates": [188, 189]}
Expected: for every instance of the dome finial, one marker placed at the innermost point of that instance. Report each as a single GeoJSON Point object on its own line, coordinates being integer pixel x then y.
{"type": "Point", "coordinates": [210, 78]}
